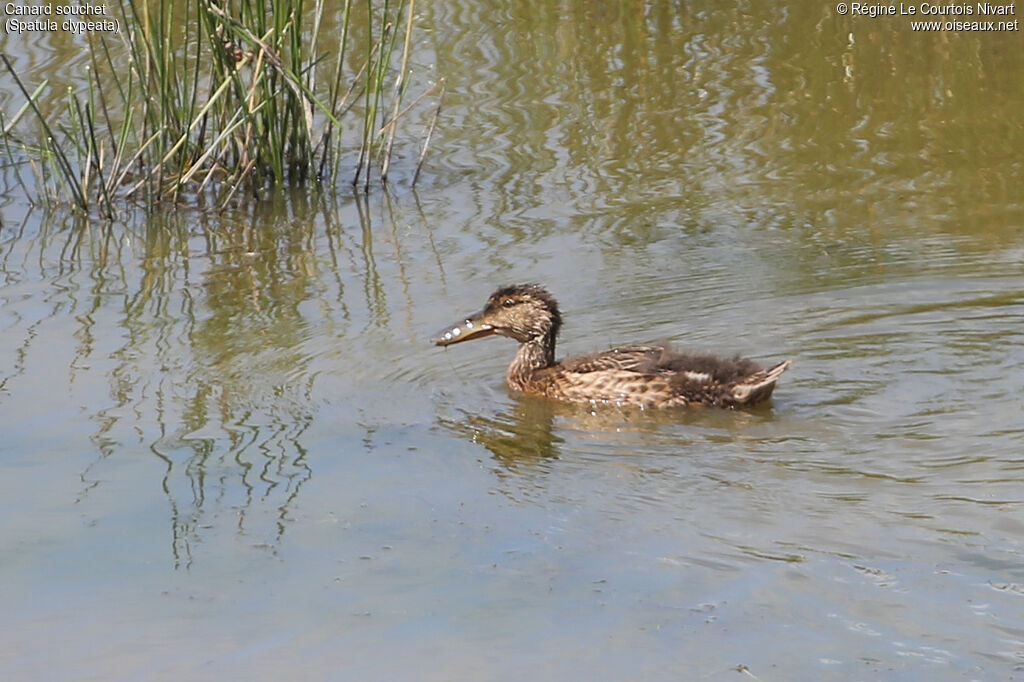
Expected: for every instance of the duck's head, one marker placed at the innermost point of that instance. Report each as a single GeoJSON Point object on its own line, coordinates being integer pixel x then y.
{"type": "Point", "coordinates": [524, 312]}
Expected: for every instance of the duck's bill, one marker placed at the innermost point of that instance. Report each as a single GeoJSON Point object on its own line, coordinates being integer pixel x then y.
{"type": "Point", "coordinates": [466, 330]}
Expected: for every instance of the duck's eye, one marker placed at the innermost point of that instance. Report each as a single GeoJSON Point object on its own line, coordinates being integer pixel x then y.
{"type": "Point", "coordinates": [508, 303]}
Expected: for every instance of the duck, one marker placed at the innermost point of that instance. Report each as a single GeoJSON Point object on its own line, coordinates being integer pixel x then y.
{"type": "Point", "coordinates": [647, 376]}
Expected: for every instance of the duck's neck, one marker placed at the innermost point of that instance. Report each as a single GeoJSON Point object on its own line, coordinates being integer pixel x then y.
{"type": "Point", "coordinates": [531, 356]}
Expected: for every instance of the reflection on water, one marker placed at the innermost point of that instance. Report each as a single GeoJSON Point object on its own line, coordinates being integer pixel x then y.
{"type": "Point", "coordinates": [212, 362]}
{"type": "Point", "coordinates": [522, 438]}
{"type": "Point", "coordinates": [535, 429]}
{"type": "Point", "coordinates": [230, 432]}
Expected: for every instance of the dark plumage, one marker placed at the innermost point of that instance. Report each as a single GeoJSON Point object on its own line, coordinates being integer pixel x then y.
{"type": "Point", "coordinates": [649, 376]}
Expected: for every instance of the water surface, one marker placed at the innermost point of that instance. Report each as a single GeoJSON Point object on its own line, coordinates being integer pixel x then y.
{"type": "Point", "coordinates": [230, 452]}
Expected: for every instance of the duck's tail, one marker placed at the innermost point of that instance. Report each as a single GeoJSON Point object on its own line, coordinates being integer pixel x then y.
{"type": "Point", "coordinates": [758, 386]}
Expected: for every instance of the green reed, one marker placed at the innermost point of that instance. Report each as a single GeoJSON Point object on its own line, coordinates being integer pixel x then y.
{"type": "Point", "coordinates": [197, 98]}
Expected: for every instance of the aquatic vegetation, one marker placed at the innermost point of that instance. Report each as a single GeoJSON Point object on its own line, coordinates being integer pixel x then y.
{"type": "Point", "coordinates": [200, 99]}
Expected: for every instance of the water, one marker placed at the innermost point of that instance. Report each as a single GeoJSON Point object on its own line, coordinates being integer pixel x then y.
{"type": "Point", "coordinates": [230, 452]}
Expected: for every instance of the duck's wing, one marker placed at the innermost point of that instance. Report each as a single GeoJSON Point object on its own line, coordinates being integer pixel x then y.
{"type": "Point", "coordinates": [664, 360]}
{"type": "Point", "coordinates": [702, 369]}
{"type": "Point", "coordinates": [642, 359]}
{"type": "Point", "coordinates": [661, 375]}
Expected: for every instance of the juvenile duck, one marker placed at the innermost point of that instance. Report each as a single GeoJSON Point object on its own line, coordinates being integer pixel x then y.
{"type": "Point", "coordinates": [648, 376]}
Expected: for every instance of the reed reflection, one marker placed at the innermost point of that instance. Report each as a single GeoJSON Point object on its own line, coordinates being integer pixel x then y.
{"type": "Point", "coordinates": [213, 363]}
{"type": "Point", "coordinates": [207, 338]}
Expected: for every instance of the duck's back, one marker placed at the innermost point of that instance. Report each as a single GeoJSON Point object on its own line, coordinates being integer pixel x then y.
{"type": "Point", "coordinates": [656, 376]}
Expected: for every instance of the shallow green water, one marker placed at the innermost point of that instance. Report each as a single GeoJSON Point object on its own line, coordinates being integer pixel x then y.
{"type": "Point", "coordinates": [229, 451]}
